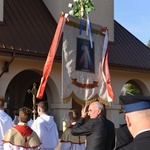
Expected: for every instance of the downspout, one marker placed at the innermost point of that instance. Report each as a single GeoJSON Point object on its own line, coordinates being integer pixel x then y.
{"type": "Point", "coordinates": [7, 66]}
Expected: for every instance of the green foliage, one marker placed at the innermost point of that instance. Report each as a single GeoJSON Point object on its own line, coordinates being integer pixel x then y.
{"type": "Point", "coordinates": [81, 7]}
{"type": "Point", "coordinates": [130, 88]}
{"type": "Point", "coordinates": [148, 44]}
{"type": "Point", "coordinates": [133, 89]}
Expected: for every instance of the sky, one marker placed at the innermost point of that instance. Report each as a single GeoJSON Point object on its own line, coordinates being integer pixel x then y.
{"type": "Point", "coordinates": [134, 15]}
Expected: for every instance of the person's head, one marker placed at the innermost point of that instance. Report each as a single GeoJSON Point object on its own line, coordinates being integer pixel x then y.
{"type": "Point", "coordinates": [73, 115]}
{"type": "Point", "coordinates": [42, 108]}
{"type": "Point", "coordinates": [95, 109]}
{"type": "Point", "coordinates": [16, 113]}
{"type": "Point", "coordinates": [137, 112]}
{"type": "Point", "coordinates": [1, 103]}
{"type": "Point", "coordinates": [25, 114]}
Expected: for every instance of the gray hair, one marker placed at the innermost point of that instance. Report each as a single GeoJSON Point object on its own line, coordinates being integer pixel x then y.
{"type": "Point", "coordinates": [99, 105]}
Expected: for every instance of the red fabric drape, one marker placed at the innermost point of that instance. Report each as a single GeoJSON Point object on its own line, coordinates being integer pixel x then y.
{"type": "Point", "coordinates": [106, 74]}
{"type": "Point", "coordinates": [50, 57]}
{"type": "Point", "coordinates": [108, 82]}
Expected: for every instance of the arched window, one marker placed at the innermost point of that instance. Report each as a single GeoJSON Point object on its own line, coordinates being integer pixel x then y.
{"type": "Point", "coordinates": [131, 87]}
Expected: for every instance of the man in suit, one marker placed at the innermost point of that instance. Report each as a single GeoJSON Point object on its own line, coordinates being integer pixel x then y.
{"type": "Point", "coordinates": [124, 136]}
{"type": "Point", "coordinates": [137, 115]}
{"type": "Point", "coordinates": [99, 131]}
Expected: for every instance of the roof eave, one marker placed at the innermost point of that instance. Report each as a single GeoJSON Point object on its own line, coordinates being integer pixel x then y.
{"type": "Point", "coordinates": [129, 68]}
{"type": "Point", "coordinates": [26, 55]}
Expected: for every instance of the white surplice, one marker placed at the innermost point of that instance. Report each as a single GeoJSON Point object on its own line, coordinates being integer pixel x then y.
{"type": "Point", "coordinates": [71, 146]}
{"type": "Point", "coordinates": [46, 129]}
{"type": "Point", "coordinates": [8, 146]}
{"type": "Point", "coordinates": [5, 124]}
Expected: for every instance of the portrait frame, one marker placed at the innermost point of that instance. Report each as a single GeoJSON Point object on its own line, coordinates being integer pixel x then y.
{"type": "Point", "coordinates": [85, 60]}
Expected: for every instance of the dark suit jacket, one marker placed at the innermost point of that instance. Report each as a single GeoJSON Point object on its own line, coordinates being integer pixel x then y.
{"type": "Point", "coordinates": [140, 142]}
{"type": "Point", "coordinates": [100, 133]}
{"type": "Point", "coordinates": [124, 137]}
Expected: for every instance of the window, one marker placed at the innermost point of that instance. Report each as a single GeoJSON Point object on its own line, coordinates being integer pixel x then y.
{"type": "Point", "coordinates": [131, 87]}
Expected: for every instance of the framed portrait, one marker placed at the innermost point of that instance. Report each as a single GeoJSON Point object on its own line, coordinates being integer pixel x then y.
{"type": "Point", "coordinates": [85, 56]}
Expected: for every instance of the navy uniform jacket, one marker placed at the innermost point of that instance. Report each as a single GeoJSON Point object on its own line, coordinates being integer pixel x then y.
{"type": "Point", "coordinates": [100, 133]}
{"type": "Point", "coordinates": [140, 142]}
{"type": "Point", "coordinates": [124, 137]}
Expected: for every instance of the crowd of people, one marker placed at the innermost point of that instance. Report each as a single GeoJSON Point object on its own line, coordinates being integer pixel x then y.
{"type": "Point", "coordinates": [89, 131]}
{"type": "Point", "coordinates": [23, 133]}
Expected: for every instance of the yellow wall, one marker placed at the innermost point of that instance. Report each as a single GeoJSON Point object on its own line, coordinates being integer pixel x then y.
{"type": "Point", "coordinates": [118, 79]}
{"type": "Point", "coordinates": [102, 15]}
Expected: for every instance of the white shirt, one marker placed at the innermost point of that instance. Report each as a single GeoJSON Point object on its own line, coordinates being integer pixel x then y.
{"type": "Point", "coordinates": [5, 124]}
{"type": "Point", "coordinates": [30, 122]}
{"type": "Point", "coordinates": [46, 129]}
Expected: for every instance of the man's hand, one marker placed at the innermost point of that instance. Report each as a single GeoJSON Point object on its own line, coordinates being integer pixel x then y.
{"type": "Point", "coordinates": [84, 112]}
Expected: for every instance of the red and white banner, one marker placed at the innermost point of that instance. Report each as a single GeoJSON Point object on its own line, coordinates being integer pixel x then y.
{"type": "Point", "coordinates": [105, 72]}
{"type": "Point", "coordinates": [50, 57]}
{"type": "Point", "coordinates": [86, 75]}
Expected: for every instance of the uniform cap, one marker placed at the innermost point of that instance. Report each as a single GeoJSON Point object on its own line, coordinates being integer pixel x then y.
{"type": "Point", "coordinates": [135, 102]}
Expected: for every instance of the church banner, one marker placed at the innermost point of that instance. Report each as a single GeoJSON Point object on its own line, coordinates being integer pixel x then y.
{"type": "Point", "coordinates": [85, 73]}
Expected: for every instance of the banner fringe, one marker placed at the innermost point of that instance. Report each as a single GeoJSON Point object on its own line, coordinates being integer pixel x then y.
{"type": "Point", "coordinates": [85, 102]}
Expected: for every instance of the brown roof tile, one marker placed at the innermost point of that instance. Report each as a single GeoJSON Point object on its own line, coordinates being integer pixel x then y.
{"type": "Point", "coordinates": [28, 27]}
{"type": "Point", "coordinates": [127, 51]}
